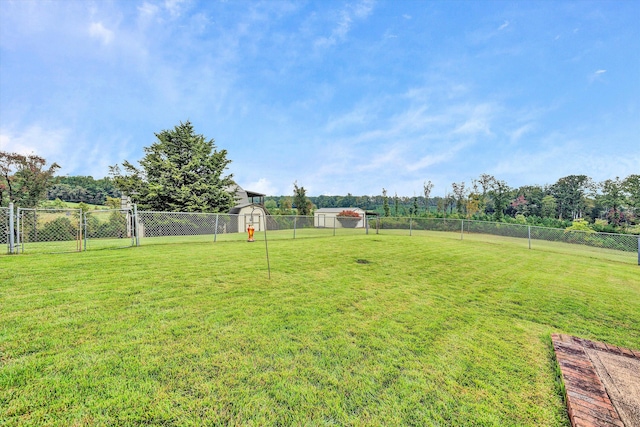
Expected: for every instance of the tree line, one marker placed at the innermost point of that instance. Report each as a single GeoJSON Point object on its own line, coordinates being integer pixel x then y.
{"type": "Point", "coordinates": [610, 205]}
{"type": "Point", "coordinates": [184, 171]}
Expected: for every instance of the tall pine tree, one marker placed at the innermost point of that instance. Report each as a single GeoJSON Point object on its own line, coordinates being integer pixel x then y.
{"type": "Point", "coordinates": [180, 172]}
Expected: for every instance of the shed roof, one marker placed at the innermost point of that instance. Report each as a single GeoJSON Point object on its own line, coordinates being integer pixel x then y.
{"type": "Point", "coordinates": [337, 210]}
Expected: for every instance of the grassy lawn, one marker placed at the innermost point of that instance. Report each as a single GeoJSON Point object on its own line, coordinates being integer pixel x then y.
{"type": "Point", "coordinates": [421, 331]}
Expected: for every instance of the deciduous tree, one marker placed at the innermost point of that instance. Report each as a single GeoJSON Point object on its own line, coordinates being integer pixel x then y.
{"type": "Point", "coordinates": [24, 180]}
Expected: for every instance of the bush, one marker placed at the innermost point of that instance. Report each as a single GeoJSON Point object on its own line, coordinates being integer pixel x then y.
{"type": "Point", "coordinates": [349, 218]}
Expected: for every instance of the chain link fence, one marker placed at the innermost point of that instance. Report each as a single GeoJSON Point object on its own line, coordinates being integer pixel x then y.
{"type": "Point", "coordinates": [109, 229]}
{"type": "Point", "coordinates": [4, 226]}
{"type": "Point", "coordinates": [175, 227]}
{"type": "Point", "coordinates": [49, 230]}
{"type": "Point", "coordinates": [53, 230]}
{"type": "Point", "coordinates": [617, 246]}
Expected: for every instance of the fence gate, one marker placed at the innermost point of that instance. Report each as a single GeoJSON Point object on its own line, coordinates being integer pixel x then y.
{"type": "Point", "coordinates": [109, 229]}
{"type": "Point", "coordinates": [49, 230]}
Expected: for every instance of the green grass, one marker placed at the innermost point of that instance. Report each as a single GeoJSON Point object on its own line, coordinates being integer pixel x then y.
{"type": "Point", "coordinates": [431, 331]}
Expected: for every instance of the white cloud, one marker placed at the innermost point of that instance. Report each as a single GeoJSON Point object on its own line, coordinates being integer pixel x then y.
{"type": "Point", "coordinates": [147, 11]}
{"type": "Point", "coordinates": [343, 24]}
{"type": "Point", "coordinates": [518, 133]}
{"type": "Point", "coordinates": [433, 159]}
{"type": "Point", "coordinates": [98, 30]}
{"type": "Point", "coordinates": [478, 123]}
{"type": "Point", "coordinates": [597, 75]}
{"type": "Point", "coordinates": [48, 143]}
{"type": "Point", "coordinates": [263, 185]}
{"type": "Point", "coordinates": [174, 7]}
{"type": "Point", "coordinates": [503, 26]}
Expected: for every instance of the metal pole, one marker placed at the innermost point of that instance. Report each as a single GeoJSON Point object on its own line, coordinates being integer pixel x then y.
{"type": "Point", "coordinates": [135, 224]}
{"type": "Point", "coordinates": [11, 230]}
{"type": "Point", "coordinates": [529, 233]}
{"type": "Point", "coordinates": [266, 246]}
{"type": "Point", "coordinates": [18, 231]}
{"type": "Point", "coordinates": [366, 223]}
{"type": "Point", "coordinates": [85, 232]}
{"type": "Point", "coordinates": [638, 250]}
{"type": "Point", "coordinates": [462, 229]}
{"type": "Point", "coordinates": [334, 225]}
{"type": "Point", "coordinates": [215, 231]}
{"type": "Point", "coordinates": [295, 218]}
{"type": "Point", "coordinates": [410, 226]}
{"type": "Point", "coordinates": [378, 225]}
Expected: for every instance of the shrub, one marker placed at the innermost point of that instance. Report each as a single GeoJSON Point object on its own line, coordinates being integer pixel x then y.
{"type": "Point", "coordinates": [348, 218]}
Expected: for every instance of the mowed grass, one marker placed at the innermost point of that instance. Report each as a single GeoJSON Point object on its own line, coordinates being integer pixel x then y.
{"type": "Point", "coordinates": [352, 330]}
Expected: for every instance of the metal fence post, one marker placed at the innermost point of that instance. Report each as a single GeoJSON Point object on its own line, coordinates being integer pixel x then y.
{"type": "Point", "coordinates": [366, 224]}
{"type": "Point", "coordinates": [135, 224]}
{"type": "Point", "coordinates": [11, 230]}
{"type": "Point", "coordinates": [18, 237]}
{"type": "Point", "coordinates": [529, 234]}
{"type": "Point", "coordinates": [215, 231]}
{"type": "Point", "coordinates": [462, 229]}
{"type": "Point", "coordinates": [334, 225]}
{"type": "Point", "coordinates": [410, 226]}
{"type": "Point", "coordinates": [295, 219]}
{"type": "Point", "coordinates": [85, 231]}
{"type": "Point", "coordinates": [638, 250]}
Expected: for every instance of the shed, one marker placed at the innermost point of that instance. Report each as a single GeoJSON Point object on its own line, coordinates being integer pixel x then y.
{"type": "Point", "coordinates": [327, 217]}
{"type": "Point", "coordinates": [249, 213]}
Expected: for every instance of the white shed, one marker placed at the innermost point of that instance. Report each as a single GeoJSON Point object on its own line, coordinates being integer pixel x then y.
{"type": "Point", "coordinates": [327, 217]}
{"type": "Point", "coordinates": [250, 213]}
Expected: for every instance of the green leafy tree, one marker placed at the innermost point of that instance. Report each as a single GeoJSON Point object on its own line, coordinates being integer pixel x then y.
{"type": "Point", "coordinates": [385, 203]}
{"type": "Point", "coordinates": [500, 193]}
{"type": "Point", "coordinates": [570, 193]}
{"type": "Point", "coordinates": [300, 200]}
{"type": "Point", "coordinates": [113, 202]}
{"type": "Point", "coordinates": [631, 188]}
{"type": "Point", "coordinates": [181, 171]}
{"type": "Point", "coordinates": [24, 180]}
{"type": "Point", "coordinates": [459, 194]}
{"type": "Point", "coordinates": [395, 205]}
{"type": "Point", "coordinates": [415, 206]}
{"type": "Point", "coordinates": [485, 181]}
{"type": "Point", "coordinates": [549, 206]}
{"type": "Point", "coordinates": [533, 194]}
{"type": "Point", "coordinates": [427, 186]}
{"type": "Point", "coordinates": [286, 205]}
{"type": "Point", "coordinates": [612, 198]}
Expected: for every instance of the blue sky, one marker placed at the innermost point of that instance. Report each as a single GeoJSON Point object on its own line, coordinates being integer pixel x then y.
{"type": "Point", "coordinates": [341, 96]}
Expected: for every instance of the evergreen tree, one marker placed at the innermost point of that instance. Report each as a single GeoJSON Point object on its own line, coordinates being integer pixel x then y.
{"type": "Point", "coordinates": [300, 200]}
{"type": "Point", "coordinates": [395, 205]}
{"type": "Point", "coordinates": [181, 171]}
{"type": "Point", "coordinates": [385, 202]}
